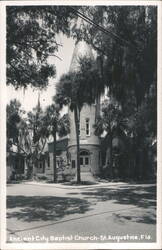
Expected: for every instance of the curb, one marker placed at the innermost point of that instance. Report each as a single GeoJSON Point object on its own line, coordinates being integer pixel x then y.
{"type": "Point", "coordinates": [60, 186]}
{"type": "Point", "coordinates": [63, 187]}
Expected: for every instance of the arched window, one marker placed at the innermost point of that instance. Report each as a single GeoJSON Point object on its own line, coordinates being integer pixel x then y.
{"type": "Point", "coordinates": [84, 158]}
{"type": "Point", "coordinates": [84, 152]}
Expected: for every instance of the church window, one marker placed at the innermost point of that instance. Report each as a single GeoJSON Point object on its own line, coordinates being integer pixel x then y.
{"type": "Point", "coordinates": [87, 127]}
{"type": "Point", "coordinates": [73, 163]}
{"type": "Point", "coordinates": [81, 160]}
{"type": "Point", "coordinates": [79, 128]}
{"type": "Point", "coordinates": [86, 161]}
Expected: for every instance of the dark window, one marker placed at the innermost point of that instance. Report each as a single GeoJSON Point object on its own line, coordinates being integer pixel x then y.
{"type": "Point", "coordinates": [87, 127]}
{"type": "Point", "coordinates": [81, 161]}
{"type": "Point", "coordinates": [86, 161]}
{"type": "Point", "coordinates": [73, 163]}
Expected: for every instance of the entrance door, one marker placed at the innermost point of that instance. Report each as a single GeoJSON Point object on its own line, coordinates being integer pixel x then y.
{"type": "Point", "coordinates": [84, 161]}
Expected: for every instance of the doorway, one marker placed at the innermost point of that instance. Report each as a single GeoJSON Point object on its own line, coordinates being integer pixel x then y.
{"type": "Point", "coordinates": [84, 161]}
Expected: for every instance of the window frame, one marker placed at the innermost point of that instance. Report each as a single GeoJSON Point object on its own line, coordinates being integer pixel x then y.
{"type": "Point", "coordinates": [87, 129]}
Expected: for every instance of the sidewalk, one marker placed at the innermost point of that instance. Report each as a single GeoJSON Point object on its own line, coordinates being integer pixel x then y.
{"type": "Point", "coordinates": [82, 186]}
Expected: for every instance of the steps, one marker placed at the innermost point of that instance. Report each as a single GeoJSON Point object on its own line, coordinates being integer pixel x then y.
{"type": "Point", "coordinates": [86, 177]}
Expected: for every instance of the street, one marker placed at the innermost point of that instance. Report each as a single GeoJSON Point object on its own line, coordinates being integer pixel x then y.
{"type": "Point", "coordinates": [107, 212]}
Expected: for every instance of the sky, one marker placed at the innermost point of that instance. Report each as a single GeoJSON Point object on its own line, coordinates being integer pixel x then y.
{"type": "Point", "coordinates": [29, 97]}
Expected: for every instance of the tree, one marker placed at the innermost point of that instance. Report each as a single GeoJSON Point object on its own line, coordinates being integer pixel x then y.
{"type": "Point", "coordinates": [77, 88]}
{"type": "Point", "coordinates": [13, 118]}
{"type": "Point", "coordinates": [31, 40]}
{"type": "Point", "coordinates": [38, 135]}
{"type": "Point", "coordinates": [128, 59]}
{"type": "Point", "coordinates": [54, 125]}
{"type": "Point", "coordinates": [67, 93]}
{"type": "Point", "coordinates": [126, 46]}
{"type": "Point", "coordinates": [27, 133]}
{"type": "Point", "coordinates": [110, 121]}
{"type": "Point", "coordinates": [143, 132]}
{"type": "Point", "coordinates": [15, 126]}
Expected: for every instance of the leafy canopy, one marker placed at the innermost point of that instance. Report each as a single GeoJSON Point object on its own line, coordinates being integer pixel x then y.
{"type": "Point", "coordinates": [80, 87]}
{"type": "Point", "coordinates": [126, 49]}
{"type": "Point", "coordinates": [31, 40]}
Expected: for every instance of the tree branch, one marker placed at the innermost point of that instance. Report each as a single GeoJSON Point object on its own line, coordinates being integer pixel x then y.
{"type": "Point", "coordinates": [56, 56]}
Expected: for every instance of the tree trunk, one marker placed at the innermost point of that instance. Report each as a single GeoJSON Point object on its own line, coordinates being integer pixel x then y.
{"type": "Point", "coordinates": [18, 167]}
{"type": "Point", "coordinates": [54, 159]}
{"type": "Point", "coordinates": [76, 118]}
{"type": "Point", "coordinates": [111, 158]}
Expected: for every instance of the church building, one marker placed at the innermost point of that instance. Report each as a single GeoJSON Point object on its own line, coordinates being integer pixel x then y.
{"type": "Point", "coordinates": [90, 155]}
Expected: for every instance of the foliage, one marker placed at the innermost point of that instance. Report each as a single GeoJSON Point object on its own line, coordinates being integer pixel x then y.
{"type": "Point", "coordinates": [30, 134]}
{"type": "Point", "coordinates": [67, 93]}
{"type": "Point", "coordinates": [125, 40]}
{"type": "Point", "coordinates": [25, 133]}
{"type": "Point", "coordinates": [77, 88]}
{"type": "Point", "coordinates": [36, 124]}
{"type": "Point", "coordinates": [111, 119]}
{"type": "Point", "coordinates": [13, 118]}
{"type": "Point", "coordinates": [127, 48]}
{"type": "Point", "coordinates": [31, 40]}
{"type": "Point", "coordinates": [86, 80]}
{"type": "Point", "coordinates": [113, 124]}
{"type": "Point", "coordinates": [127, 56]}
{"type": "Point", "coordinates": [55, 125]}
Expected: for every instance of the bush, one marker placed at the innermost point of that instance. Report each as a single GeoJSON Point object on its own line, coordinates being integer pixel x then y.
{"type": "Point", "coordinates": [42, 178]}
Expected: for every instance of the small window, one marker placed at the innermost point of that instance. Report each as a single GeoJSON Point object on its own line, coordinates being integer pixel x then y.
{"type": "Point", "coordinates": [87, 127]}
{"type": "Point", "coordinates": [73, 163]}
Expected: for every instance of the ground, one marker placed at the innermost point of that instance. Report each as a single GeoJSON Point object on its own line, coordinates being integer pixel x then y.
{"type": "Point", "coordinates": [106, 212]}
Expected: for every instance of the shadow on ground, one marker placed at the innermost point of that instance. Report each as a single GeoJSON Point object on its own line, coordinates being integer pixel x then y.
{"type": "Point", "coordinates": [35, 208]}
{"type": "Point", "coordinates": [143, 197]}
{"type": "Point", "coordinates": [53, 208]}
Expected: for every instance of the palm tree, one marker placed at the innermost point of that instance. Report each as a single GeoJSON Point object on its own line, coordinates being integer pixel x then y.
{"type": "Point", "coordinates": [76, 89]}
{"type": "Point", "coordinates": [54, 124]}
{"type": "Point", "coordinates": [67, 93]}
